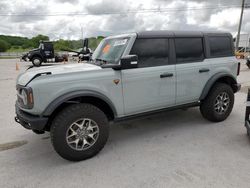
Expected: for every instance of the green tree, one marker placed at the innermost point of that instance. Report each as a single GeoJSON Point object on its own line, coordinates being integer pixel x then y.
{"type": "Point", "coordinates": [62, 45]}
{"type": "Point", "coordinates": [27, 44]}
{"type": "Point", "coordinates": [14, 40]}
{"type": "Point", "coordinates": [4, 46]}
{"type": "Point", "coordinates": [36, 40]}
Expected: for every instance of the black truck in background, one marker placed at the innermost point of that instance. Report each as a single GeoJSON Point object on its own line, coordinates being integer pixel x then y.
{"type": "Point", "coordinates": [45, 53]}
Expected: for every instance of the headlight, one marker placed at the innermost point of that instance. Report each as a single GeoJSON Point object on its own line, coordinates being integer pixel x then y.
{"type": "Point", "coordinates": [25, 97]}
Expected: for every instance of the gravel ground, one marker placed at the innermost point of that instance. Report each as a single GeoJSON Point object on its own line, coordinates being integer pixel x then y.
{"type": "Point", "coordinates": [171, 149]}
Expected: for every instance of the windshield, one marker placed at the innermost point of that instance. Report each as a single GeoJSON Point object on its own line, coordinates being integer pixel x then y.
{"type": "Point", "coordinates": [110, 50]}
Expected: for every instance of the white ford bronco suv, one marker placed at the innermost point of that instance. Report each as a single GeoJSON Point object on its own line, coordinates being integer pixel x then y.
{"type": "Point", "coordinates": [129, 75]}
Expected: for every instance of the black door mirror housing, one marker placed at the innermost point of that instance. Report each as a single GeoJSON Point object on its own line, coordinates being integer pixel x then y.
{"type": "Point", "coordinates": [129, 62]}
{"type": "Point", "coordinates": [126, 62]}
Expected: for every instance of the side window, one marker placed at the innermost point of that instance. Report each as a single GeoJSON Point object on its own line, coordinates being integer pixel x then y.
{"type": "Point", "coordinates": [151, 52]}
{"type": "Point", "coordinates": [220, 46]}
{"type": "Point", "coordinates": [189, 49]}
{"type": "Point", "coordinates": [47, 46]}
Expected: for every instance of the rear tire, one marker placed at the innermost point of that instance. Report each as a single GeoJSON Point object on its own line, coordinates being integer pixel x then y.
{"type": "Point", "coordinates": [79, 132]}
{"type": "Point", "coordinates": [218, 104]}
{"type": "Point", "coordinates": [37, 61]}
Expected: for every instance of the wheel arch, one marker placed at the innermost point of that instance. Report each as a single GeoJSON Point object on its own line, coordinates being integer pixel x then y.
{"type": "Point", "coordinates": [91, 97]}
{"type": "Point", "coordinates": [221, 78]}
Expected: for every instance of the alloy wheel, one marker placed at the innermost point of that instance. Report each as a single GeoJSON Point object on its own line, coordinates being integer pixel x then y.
{"type": "Point", "coordinates": [82, 134]}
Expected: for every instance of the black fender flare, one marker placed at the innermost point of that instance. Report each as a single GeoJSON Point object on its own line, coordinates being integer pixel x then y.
{"type": "Point", "coordinates": [74, 94]}
{"type": "Point", "coordinates": [212, 81]}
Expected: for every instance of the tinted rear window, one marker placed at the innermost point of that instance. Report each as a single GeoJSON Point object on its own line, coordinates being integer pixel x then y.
{"type": "Point", "coordinates": [220, 46]}
{"type": "Point", "coordinates": [189, 49]}
{"type": "Point", "coordinates": [151, 52]}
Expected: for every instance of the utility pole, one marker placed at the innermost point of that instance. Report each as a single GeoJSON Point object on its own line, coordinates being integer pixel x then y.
{"type": "Point", "coordinates": [239, 28]}
{"type": "Point", "coordinates": [82, 36]}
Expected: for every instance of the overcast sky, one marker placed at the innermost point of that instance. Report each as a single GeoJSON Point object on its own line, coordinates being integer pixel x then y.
{"type": "Point", "coordinates": [174, 15]}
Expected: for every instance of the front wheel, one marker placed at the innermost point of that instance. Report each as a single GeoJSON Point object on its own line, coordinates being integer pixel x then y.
{"type": "Point", "coordinates": [219, 103]}
{"type": "Point", "coordinates": [79, 132]}
{"type": "Point", "coordinates": [36, 61]}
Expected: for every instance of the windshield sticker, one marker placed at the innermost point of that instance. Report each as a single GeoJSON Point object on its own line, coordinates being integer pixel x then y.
{"type": "Point", "coordinates": [106, 49]}
{"type": "Point", "coordinates": [120, 42]}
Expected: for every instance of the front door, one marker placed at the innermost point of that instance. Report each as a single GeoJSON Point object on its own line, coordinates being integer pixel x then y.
{"type": "Point", "coordinates": [152, 85]}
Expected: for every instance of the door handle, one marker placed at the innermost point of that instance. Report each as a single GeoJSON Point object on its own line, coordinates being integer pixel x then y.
{"type": "Point", "coordinates": [164, 75]}
{"type": "Point", "coordinates": [203, 70]}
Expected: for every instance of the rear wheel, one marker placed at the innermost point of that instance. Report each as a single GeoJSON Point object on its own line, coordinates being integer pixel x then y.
{"type": "Point", "coordinates": [219, 103]}
{"type": "Point", "coordinates": [79, 132]}
{"type": "Point", "coordinates": [36, 61]}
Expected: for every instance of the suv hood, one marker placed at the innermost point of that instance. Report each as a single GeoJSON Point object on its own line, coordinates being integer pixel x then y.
{"type": "Point", "coordinates": [30, 74]}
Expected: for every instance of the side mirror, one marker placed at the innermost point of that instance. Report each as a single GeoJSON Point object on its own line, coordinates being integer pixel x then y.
{"type": "Point", "coordinates": [126, 62]}
{"type": "Point", "coordinates": [129, 62]}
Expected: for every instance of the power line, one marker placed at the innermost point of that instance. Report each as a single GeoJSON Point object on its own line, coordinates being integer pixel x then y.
{"type": "Point", "coordinates": [141, 11]}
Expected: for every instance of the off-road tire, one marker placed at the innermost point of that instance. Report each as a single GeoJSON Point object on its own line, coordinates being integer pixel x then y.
{"type": "Point", "coordinates": [35, 63]}
{"type": "Point", "coordinates": [63, 121]}
{"type": "Point", "coordinates": [207, 106]}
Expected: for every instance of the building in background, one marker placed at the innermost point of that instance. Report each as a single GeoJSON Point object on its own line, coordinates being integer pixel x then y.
{"type": "Point", "coordinates": [244, 43]}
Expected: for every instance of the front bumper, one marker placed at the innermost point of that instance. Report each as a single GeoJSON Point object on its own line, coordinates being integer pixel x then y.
{"type": "Point", "coordinates": [25, 57]}
{"type": "Point", "coordinates": [29, 121]}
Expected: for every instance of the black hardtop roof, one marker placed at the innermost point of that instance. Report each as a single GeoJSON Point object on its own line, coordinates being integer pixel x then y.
{"type": "Point", "coordinates": [167, 33]}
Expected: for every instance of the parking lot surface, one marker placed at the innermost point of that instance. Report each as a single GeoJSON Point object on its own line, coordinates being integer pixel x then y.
{"type": "Point", "coordinates": [170, 149]}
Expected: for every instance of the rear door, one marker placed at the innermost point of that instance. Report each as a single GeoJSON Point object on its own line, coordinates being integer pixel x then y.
{"type": "Point", "coordinates": [192, 70]}
{"type": "Point", "coordinates": [152, 85]}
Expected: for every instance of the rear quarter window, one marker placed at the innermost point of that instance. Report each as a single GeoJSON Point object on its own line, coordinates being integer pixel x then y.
{"type": "Point", "coordinates": [220, 46]}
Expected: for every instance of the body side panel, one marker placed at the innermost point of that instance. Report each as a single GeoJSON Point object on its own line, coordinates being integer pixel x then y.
{"type": "Point", "coordinates": [190, 82]}
{"type": "Point", "coordinates": [144, 90]}
{"type": "Point", "coordinates": [48, 88]}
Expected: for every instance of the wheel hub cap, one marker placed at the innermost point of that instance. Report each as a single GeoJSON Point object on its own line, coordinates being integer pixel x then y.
{"type": "Point", "coordinates": [82, 134]}
{"type": "Point", "coordinates": [37, 61]}
{"type": "Point", "coordinates": [222, 102]}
